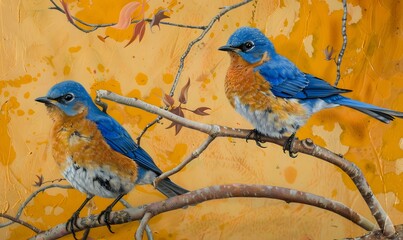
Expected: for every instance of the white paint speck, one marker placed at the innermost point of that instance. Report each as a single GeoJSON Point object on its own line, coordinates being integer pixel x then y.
{"type": "Point", "coordinates": [308, 45]}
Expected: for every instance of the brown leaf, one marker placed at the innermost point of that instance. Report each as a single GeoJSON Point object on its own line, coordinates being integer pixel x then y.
{"type": "Point", "coordinates": [183, 98]}
{"type": "Point", "coordinates": [66, 11]}
{"type": "Point", "coordinates": [201, 111]}
{"type": "Point", "coordinates": [125, 16]}
{"type": "Point", "coordinates": [39, 182]}
{"type": "Point", "coordinates": [168, 100]}
{"type": "Point", "coordinates": [328, 53]}
{"type": "Point", "coordinates": [139, 31]}
{"type": "Point", "coordinates": [178, 126]}
{"type": "Point", "coordinates": [177, 111]}
{"type": "Point", "coordinates": [158, 17]}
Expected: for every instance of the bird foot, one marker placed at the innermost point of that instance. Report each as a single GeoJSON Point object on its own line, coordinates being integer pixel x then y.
{"type": "Point", "coordinates": [106, 213]}
{"type": "Point", "coordinates": [288, 145]}
{"type": "Point", "coordinates": [254, 134]}
{"type": "Point", "coordinates": [72, 222]}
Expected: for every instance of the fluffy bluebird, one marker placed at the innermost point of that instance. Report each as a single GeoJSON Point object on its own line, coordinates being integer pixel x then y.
{"type": "Point", "coordinates": [274, 95]}
{"type": "Point", "coordinates": [94, 152]}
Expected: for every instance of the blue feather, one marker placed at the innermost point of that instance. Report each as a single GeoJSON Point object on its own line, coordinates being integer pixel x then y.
{"type": "Point", "coordinates": [119, 140]}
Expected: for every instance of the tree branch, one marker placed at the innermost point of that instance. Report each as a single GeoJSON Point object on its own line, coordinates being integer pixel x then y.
{"type": "Point", "coordinates": [25, 203]}
{"type": "Point", "coordinates": [94, 27]}
{"type": "Point", "coordinates": [305, 146]}
{"type": "Point", "coordinates": [23, 223]}
{"type": "Point", "coordinates": [211, 193]}
{"type": "Point", "coordinates": [185, 54]}
{"type": "Point", "coordinates": [143, 224]}
{"type": "Point", "coordinates": [193, 155]}
{"type": "Point", "coordinates": [343, 48]}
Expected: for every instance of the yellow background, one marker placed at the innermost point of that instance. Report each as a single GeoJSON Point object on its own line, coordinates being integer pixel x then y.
{"type": "Point", "coordinates": [39, 47]}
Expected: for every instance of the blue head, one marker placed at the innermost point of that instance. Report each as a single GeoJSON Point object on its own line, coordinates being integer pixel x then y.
{"type": "Point", "coordinates": [250, 44]}
{"type": "Point", "coordinates": [69, 97]}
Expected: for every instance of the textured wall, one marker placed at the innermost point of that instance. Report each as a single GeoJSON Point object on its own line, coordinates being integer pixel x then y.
{"type": "Point", "coordinates": [39, 47]}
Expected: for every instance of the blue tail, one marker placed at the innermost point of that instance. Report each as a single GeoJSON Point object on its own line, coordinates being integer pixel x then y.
{"type": "Point", "coordinates": [382, 114]}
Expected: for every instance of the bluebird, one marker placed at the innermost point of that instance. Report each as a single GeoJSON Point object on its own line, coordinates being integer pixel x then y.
{"type": "Point", "coordinates": [274, 95]}
{"type": "Point", "coordinates": [95, 153]}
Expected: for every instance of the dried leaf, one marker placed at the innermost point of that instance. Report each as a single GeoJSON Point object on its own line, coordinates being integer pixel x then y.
{"type": "Point", "coordinates": [183, 98]}
{"type": "Point", "coordinates": [168, 100]}
{"type": "Point", "coordinates": [158, 17]}
{"type": "Point", "coordinates": [125, 16]}
{"type": "Point", "coordinates": [201, 111]}
{"type": "Point", "coordinates": [39, 182]}
{"type": "Point", "coordinates": [139, 31]}
{"type": "Point", "coordinates": [178, 126]}
{"type": "Point", "coordinates": [177, 111]}
{"type": "Point", "coordinates": [66, 11]}
{"type": "Point", "coordinates": [328, 53]}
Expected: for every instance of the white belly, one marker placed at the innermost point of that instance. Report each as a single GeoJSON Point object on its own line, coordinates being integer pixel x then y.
{"type": "Point", "coordinates": [269, 123]}
{"type": "Point", "coordinates": [99, 181]}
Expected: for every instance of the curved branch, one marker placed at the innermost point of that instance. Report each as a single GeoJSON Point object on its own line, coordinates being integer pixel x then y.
{"type": "Point", "coordinates": [343, 48]}
{"type": "Point", "coordinates": [306, 147]}
{"type": "Point", "coordinates": [23, 223]}
{"type": "Point", "coordinates": [193, 155]}
{"type": "Point", "coordinates": [143, 224]}
{"type": "Point", "coordinates": [94, 27]}
{"type": "Point", "coordinates": [185, 54]}
{"type": "Point", "coordinates": [25, 203]}
{"type": "Point", "coordinates": [211, 193]}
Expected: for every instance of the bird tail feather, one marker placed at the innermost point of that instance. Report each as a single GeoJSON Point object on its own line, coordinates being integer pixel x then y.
{"type": "Point", "coordinates": [169, 188]}
{"type": "Point", "coordinates": [382, 114]}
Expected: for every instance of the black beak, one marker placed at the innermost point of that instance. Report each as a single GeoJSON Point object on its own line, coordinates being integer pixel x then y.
{"type": "Point", "coordinates": [228, 48]}
{"type": "Point", "coordinates": [45, 100]}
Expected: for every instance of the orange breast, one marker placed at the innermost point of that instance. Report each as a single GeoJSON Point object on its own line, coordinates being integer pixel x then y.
{"type": "Point", "coordinates": [252, 89]}
{"type": "Point", "coordinates": [80, 139]}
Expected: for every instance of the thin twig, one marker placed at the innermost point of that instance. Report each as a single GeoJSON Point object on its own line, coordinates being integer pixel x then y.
{"type": "Point", "coordinates": [25, 203]}
{"type": "Point", "coordinates": [211, 193]}
{"type": "Point", "coordinates": [306, 147]}
{"type": "Point", "coordinates": [150, 124]}
{"type": "Point", "coordinates": [187, 160]}
{"type": "Point", "coordinates": [190, 46]}
{"type": "Point", "coordinates": [23, 223]}
{"type": "Point", "coordinates": [343, 48]}
{"type": "Point", "coordinates": [143, 224]}
{"type": "Point", "coordinates": [94, 27]}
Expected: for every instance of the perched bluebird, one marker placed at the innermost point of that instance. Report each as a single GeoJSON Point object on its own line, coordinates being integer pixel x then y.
{"type": "Point", "coordinates": [274, 95]}
{"type": "Point", "coordinates": [94, 152]}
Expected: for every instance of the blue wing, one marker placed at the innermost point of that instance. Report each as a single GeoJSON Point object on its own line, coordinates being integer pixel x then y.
{"type": "Point", "coordinates": [288, 81]}
{"type": "Point", "coordinates": [119, 140]}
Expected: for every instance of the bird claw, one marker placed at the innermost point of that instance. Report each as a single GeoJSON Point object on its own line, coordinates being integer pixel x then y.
{"type": "Point", "coordinates": [288, 145]}
{"type": "Point", "coordinates": [72, 222]}
{"type": "Point", "coordinates": [106, 213]}
{"type": "Point", "coordinates": [256, 137]}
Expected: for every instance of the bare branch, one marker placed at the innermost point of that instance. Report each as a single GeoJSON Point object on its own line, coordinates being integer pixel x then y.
{"type": "Point", "coordinates": [191, 44]}
{"type": "Point", "coordinates": [306, 147]}
{"type": "Point", "coordinates": [143, 224]}
{"type": "Point", "coordinates": [93, 27]}
{"type": "Point", "coordinates": [23, 223]}
{"type": "Point", "coordinates": [211, 193]}
{"type": "Point", "coordinates": [195, 154]}
{"type": "Point", "coordinates": [25, 203]}
{"type": "Point", "coordinates": [343, 48]}
{"type": "Point", "coordinates": [146, 128]}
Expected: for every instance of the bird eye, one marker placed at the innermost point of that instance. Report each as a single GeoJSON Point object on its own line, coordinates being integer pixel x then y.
{"type": "Point", "coordinates": [68, 97]}
{"type": "Point", "coordinates": [247, 46]}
